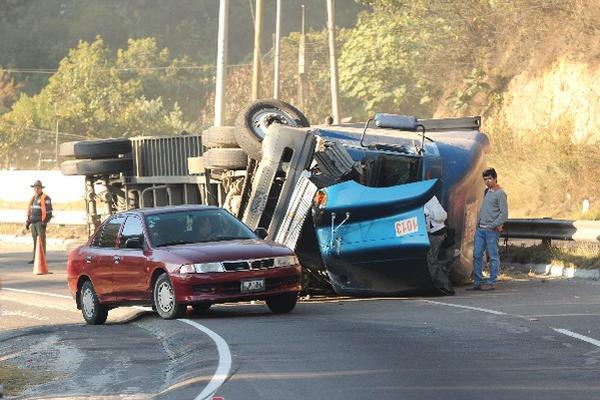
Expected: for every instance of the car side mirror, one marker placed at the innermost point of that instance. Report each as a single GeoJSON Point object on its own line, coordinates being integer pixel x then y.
{"type": "Point", "coordinates": [261, 232]}
{"type": "Point", "coordinates": [134, 243]}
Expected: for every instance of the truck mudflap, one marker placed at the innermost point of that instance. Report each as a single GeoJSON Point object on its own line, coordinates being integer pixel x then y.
{"type": "Point", "coordinates": [373, 240]}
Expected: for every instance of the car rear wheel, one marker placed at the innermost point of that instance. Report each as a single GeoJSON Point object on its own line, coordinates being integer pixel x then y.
{"type": "Point", "coordinates": [93, 312]}
{"type": "Point", "coordinates": [282, 303]}
{"type": "Point", "coordinates": [164, 299]}
{"type": "Point", "coordinates": [200, 308]}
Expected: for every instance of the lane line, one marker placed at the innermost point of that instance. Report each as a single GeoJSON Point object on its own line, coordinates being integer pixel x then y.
{"type": "Point", "coordinates": [224, 366]}
{"type": "Point", "coordinates": [485, 310]}
{"type": "Point", "coordinates": [61, 296]}
{"type": "Point", "coordinates": [578, 336]}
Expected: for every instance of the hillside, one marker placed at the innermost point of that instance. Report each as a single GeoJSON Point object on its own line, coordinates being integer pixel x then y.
{"type": "Point", "coordinates": [541, 108]}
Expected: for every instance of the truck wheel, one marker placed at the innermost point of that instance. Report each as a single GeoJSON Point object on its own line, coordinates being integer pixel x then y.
{"type": "Point", "coordinates": [282, 303]}
{"type": "Point", "coordinates": [97, 167]}
{"type": "Point", "coordinates": [93, 312]}
{"type": "Point", "coordinates": [219, 136]}
{"type": "Point", "coordinates": [225, 159]}
{"type": "Point", "coordinates": [253, 121]}
{"type": "Point", "coordinates": [102, 148]}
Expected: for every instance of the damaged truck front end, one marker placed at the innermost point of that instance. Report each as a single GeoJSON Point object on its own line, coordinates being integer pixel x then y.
{"type": "Point", "coordinates": [357, 212]}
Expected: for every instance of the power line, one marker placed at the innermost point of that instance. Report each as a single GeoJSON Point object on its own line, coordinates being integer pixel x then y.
{"type": "Point", "coordinates": [41, 130]}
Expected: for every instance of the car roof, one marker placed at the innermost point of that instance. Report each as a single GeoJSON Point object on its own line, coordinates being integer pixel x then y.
{"type": "Point", "coordinates": [167, 209]}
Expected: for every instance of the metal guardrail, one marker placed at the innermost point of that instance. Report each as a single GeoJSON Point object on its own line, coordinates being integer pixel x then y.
{"type": "Point", "coordinates": [548, 229]}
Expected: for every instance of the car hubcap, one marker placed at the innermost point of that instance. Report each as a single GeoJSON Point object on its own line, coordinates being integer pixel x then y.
{"type": "Point", "coordinates": [165, 297]}
{"type": "Point", "coordinates": [88, 303]}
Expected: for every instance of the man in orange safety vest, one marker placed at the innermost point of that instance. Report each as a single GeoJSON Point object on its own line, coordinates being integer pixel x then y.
{"type": "Point", "coordinates": [39, 214]}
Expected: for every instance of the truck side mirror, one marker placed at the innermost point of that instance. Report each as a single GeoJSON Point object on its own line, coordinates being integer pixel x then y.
{"type": "Point", "coordinates": [395, 121]}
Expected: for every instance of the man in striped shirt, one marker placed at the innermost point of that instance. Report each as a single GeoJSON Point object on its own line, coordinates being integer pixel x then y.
{"type": "Point", "coordinates": [39, 214]}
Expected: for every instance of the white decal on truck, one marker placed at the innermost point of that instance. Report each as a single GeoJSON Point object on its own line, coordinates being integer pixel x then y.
{"type": "Point", "coordinates": [406, 226]}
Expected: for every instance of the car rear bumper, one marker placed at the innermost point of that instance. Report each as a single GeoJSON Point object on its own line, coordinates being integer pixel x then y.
{"type": "Point", "coordinates": [226, 286]}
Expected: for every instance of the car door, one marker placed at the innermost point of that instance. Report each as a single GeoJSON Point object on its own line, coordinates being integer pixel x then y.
{"type": "Point", "coordinates": [129, 269]}
{"type": "Point", "coordinates": [98, 260]}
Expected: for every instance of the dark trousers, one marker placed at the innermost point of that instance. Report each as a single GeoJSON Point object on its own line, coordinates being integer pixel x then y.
{"type": "Point", "coordinates": [38, 229]}
{"type": "Point", "coordinates": [437, 270]}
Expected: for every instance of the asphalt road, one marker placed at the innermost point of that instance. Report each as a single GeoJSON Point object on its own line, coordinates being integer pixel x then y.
{"type": "Point", "coordinates": [529, 339]}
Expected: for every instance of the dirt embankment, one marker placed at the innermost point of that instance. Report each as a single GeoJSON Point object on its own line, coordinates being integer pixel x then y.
{"type": "Point", "coordinates": [541, 108]}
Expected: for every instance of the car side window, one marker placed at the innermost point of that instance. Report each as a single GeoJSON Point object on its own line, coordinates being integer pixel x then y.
{"type": "Point", "coordinates": [108, 237]}
{"type": "Point", "coordinates": [96, 240]}
{"type": "Point", "coordinates": [131, 229]}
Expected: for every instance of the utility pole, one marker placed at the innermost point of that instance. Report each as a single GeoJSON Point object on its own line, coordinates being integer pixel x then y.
{"type": "Point", "coordinates": [56, 145]}
{"type": "Point", "coordinates": [222, 39]}
{"type": "Point", "coordinates": [256, 61]}
{"type": "Point", "coordinates": [277, 48]}
{"type": "Point", "coordinates": [301, 51]}
{"type": "Point", "coordinates": [335, 105]}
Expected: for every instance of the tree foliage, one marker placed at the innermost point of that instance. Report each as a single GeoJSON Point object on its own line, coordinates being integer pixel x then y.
{"type": "Point", "coordinates": [94, 94]}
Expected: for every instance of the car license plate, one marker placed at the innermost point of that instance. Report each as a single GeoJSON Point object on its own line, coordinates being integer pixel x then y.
{"type": "Point", "coordinates": [252, 285]}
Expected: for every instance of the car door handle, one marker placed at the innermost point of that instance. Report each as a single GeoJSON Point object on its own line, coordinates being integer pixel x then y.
{"type": "Point", "coordinates": [88, 259]}
{"type": "Point", "coordinates": [117, 259]}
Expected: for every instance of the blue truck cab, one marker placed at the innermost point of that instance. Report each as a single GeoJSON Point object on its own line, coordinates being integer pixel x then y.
{"type": "Point", "coordinates": [371, 230]}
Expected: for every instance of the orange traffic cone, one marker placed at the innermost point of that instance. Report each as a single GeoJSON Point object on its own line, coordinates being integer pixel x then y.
{"type": "Point", "coordinates": [40, 267]}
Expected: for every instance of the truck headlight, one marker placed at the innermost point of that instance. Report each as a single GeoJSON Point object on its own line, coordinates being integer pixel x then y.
{"type": "Point", "coordinates": [201, 268]}
{"type": "Point", "coordinates": [285, 261]}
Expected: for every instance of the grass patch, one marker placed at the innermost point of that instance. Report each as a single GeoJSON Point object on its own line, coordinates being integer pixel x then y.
{"type": "Point", "coordinates": [568, 254]}
{"type": "Point", "coordinates": [545, 172]}
{"type": "Point", "coordinates": [15, 380]}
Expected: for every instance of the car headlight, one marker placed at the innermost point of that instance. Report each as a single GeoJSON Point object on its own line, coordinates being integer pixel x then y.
{"type": "Point", "coordinates": [201, 268]}
{"type": "Point", "coordinates": [285, 261]}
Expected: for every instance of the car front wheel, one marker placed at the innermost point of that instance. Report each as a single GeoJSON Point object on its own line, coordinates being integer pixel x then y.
{"type": "Point", "coordinates": [93, 312]}
{"type": "Point", "coordinates": [282, 303]}
{"type": "Point", "coordinates": [164, 299]}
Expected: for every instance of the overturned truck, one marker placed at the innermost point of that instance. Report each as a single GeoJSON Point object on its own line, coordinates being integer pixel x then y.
{"type": "Point", "coordinates": [347, 198]}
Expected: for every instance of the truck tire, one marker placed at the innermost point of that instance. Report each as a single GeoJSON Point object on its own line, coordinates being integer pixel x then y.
{"type": "Point", "coordinates": [97, 167]}
{"type": "Point", "coordinates": [225, 159]}
{"type": "Point", "coordinates": [101, 148]}
{"type": "Point", "coordinates": [219, 136]}
{"type": "Point", "coordinates": [253, 121]}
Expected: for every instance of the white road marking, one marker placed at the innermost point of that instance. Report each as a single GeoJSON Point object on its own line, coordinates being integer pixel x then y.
{"type": "Point", "coordinates": [61, 296]}
{"type": "Point", "coordinates": [224, 365]}
{"type": "Point", "coordinates": [23, 314]}
{"type": "Point", "coordinates": [485, 310]}
{"type": "Point", "coordinates": [578, 336]}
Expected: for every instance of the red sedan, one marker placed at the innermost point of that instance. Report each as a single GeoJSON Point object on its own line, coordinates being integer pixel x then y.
{"type": "Point", "coordinates": [172, 257]}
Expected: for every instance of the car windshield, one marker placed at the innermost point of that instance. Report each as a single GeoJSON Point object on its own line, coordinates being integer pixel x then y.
{"type": "Point", "coordinates": [195, 226]}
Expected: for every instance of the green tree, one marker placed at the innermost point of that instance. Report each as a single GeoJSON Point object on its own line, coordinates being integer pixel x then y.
{"type": "Point", "coordinates": [93, 94]}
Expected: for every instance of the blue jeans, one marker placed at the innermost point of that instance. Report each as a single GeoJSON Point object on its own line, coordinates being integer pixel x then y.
{"type": "Point", "coordinates": [486, 239]}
